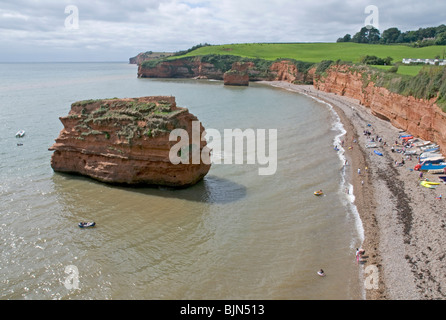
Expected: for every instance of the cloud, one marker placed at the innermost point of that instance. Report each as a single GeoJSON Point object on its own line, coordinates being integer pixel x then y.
{"type": "Point", "coordinates": [116, 30]}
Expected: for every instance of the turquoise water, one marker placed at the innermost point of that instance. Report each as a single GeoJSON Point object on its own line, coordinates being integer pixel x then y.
{"type": "Point", "coordinates": [235, 235]}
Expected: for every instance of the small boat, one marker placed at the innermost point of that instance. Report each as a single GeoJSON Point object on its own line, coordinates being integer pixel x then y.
{"type": "Point", "coordinates": [87, 224]}
{"type": "Point", "coordinates": [378, 153]}
{"type": "Point", "coordinates": [321, 273]}
{"type": "Point", "coordinates": [318, 193]}
{"type": "Point", "coordinates": [437, 171]}
{"type": "Point", "coordinates": [429, 166]}
{"type": "Point", "coordinates": [432, 149]}
{"type": "Point", "coordinates": [20, 133]}
{"type": "Point", "coordinates": [429, 184]}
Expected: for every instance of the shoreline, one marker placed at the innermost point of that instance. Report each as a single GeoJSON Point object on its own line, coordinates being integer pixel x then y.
{"type": "Point", "coordinates": [404, 229]}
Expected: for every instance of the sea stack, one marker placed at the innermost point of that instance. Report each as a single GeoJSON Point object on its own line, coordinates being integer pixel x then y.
{"type": "Point", "coordinates": [126, 141]}
{"type": "Point", "coordinates": [238, 75]}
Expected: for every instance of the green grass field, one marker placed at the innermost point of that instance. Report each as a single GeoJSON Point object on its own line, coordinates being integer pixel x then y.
{"type": "Point", "coordinates": [404, 69]}
{"type": "Point", "coordinates": [316, 52]}
{"type": "Point", "coordinates": [423, 82]}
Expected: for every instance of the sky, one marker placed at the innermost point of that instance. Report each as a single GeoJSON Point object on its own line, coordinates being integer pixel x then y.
{"type": "Point", "coordinates": [105, 30]}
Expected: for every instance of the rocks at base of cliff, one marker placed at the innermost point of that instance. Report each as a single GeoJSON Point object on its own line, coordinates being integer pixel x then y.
{"type": "Point", "coordinates": [126, 141]}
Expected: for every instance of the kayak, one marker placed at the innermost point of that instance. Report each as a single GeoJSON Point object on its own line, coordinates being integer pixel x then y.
{"type": "Point", "coordinates": [87, 224]}
{"type": "Point", "coordinates": [378, 153]}
{"type": "Point", "coordinates": [429, 184]}
{"type": "Point", "coordinates": [432, 183]}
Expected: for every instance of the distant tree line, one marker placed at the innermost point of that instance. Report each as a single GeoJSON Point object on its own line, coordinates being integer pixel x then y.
{"type": "Point", "coordinates": [183, 52]}
{"type": "Point", "coordinates": [419, 38]}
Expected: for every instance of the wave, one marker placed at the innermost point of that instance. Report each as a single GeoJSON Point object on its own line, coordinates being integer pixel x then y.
{"type": "Point", "coordinates": [346, 188]}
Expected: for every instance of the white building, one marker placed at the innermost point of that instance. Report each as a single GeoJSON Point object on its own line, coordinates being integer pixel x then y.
{"type": "Point", "coordinates": [441, 62]}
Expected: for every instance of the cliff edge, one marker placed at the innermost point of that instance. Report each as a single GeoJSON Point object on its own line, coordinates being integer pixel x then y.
{"type": "Point", "coordinates": [126, 141]}
{"type": "Point", "coordinates": [423, 118]}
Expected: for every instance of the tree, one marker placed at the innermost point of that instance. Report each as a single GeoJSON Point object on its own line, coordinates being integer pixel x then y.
{"type": "Point", "coordinates": [388, 61]}
{"type": "Point", "coordinates": [441, 39]}
{"type": "Point", "coordinates": [390, 35]}
{"type": "Point", "coordinates": [366, 35]}
{"type": "Point", "coordinates": [374, 35]}
{"type": "Point", "coordinates": [346, 38]}
{"type": "Point", "coordinates": [374, 60]}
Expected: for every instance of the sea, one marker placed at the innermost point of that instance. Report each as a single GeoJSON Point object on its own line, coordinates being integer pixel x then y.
{"type": "Point", "coordinates": [236, 235]}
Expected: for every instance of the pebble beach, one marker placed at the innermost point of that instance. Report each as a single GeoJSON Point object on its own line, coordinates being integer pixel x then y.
{"type": "Point", "coordinates": [404, 223]}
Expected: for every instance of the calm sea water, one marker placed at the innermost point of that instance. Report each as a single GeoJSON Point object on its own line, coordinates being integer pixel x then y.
{"type": "Point", "coordinates": [235, 235]}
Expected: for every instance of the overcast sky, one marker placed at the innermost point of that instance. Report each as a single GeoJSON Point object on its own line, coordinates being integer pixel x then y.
{"type": "Point", "coordinates": [105, 30]}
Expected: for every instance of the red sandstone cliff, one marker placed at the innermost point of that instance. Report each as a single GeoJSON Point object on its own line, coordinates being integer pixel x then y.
{"type": "Point", "coordinates": [238, 75]}
{"type": "Point", "coordinates": [283, 70]}
{"type": "Point", "coordinates": [181, 68]}
{"type": "Point", "coordinates": [126, 141]}
{"type": "Point", "coordinates": [421, 118]}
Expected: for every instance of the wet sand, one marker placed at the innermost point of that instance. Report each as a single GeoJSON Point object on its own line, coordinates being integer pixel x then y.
{"type": "Point", "coordinates": [404, 223]}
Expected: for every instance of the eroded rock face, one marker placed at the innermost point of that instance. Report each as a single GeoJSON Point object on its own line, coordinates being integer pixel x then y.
{"type": "Point", "coordinates": [421, 118]}
{"type": "Point", "coordinates": [126, 141]}
{"type": "Point", "coordinates": [285, 70]}
{"type": "Point", "coordinates": [181, 68]}
{"type": "Point", "coordinates": [238, 75]}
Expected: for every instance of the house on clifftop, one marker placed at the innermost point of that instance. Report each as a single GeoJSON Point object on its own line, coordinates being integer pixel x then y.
{"type": "Point", "coordinates": [434, 62]}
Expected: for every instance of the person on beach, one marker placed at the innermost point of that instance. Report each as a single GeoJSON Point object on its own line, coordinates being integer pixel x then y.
{"type": "Point", "coordinates": [359, 253]}
{"type": "Point", "coordinates": [359, 171]}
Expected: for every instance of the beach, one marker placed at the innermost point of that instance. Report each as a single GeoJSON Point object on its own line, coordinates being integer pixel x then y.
{"type": "Point", "coordinates": [404, 223]}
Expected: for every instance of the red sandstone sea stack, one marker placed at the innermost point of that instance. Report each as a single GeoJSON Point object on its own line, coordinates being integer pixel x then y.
{"type": "Point", "coordinates": [126, 141]}
{"type": "Point", "coordinates": [238, 75]}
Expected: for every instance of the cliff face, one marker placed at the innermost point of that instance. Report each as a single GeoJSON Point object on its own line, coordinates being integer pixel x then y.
{"type": "Point", "coordinates": [181, 68]}
{"type": "Point", "coordinates": [196, 68]}
{"type": "Point", "coordinates": [126, 141]}
{"type": "Point", "coordinates": [285, 70]}
{"type": "Point", "coordinates": [421, 118]}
